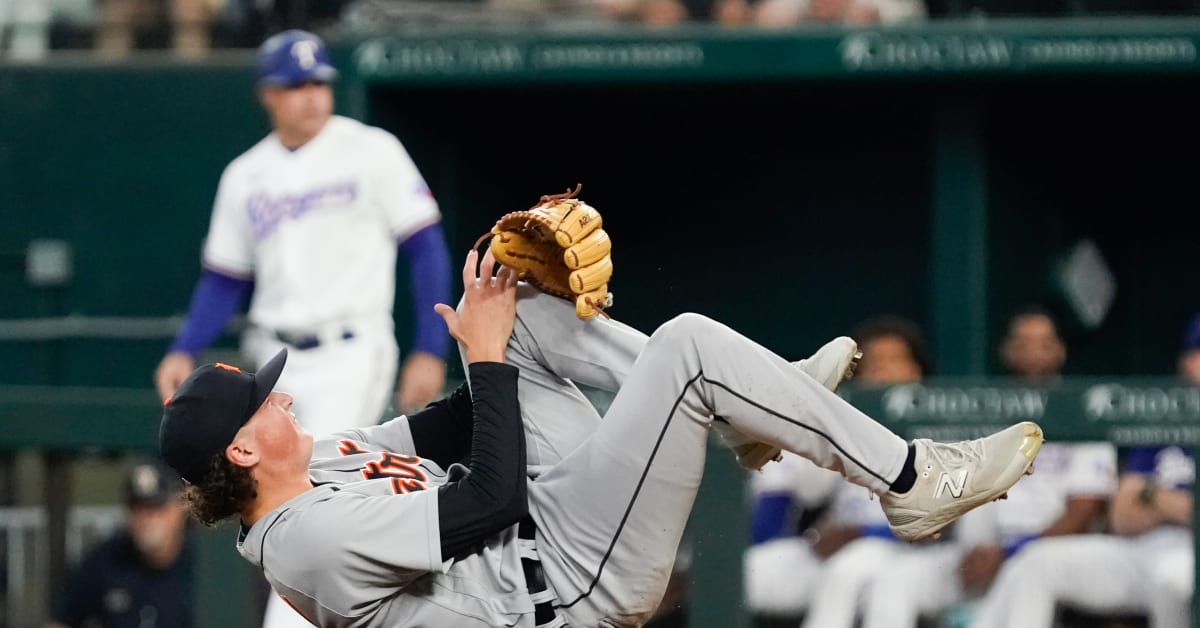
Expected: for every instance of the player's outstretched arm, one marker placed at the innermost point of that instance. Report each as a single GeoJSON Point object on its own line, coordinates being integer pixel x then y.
{"type": "Point", "coordinates": [492, 496]}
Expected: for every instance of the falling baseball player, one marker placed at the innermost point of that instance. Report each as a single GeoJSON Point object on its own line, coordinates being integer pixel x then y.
{"type": "Point", "coordinates": [456, 516]}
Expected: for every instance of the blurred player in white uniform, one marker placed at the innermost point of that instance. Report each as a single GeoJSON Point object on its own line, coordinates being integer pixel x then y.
{"type": "Point", "coordinates": [785, 573]}
{"type": "Point", "coordinates": [1067, 496]}
{"type": "Point", "coordinates": [1146, 566]}
{"type": "Point", "coordinates": [1071, 486]}
{"type": "Point", "coordinates": [784, 576]}
{"type": "Point", "coordinates": [310, 220]}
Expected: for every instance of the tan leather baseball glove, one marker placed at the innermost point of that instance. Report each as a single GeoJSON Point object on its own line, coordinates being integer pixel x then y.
{"type": "Point", "coordinates": [559, 246]}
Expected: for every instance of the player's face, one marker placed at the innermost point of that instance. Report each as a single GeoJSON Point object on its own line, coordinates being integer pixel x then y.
{"type": "Point", "coordinates": [1189, 366]}
{"type": "Point", "coordinates": [298, 112]}
{"type": "Point", "coordinates": [1033, 348]}
{"type": "Point", "coordinates": [887, 360]}
{"type": "Point", "coordinates": [154, 529]}
{"type": "Point", "coordinates": [277, 435]}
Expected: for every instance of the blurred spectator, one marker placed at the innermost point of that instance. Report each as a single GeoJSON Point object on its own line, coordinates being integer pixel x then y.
{"type": "Point", "coordinates": [1032, 349]}
{"type": "Point", "coordinates": [28, 24]}
{"type": "Point", "coordinates": [1145, 567]}
{"type": "Point", "coordinates": [894, 351]}
{"type": "Point", "coordinates": [766, 13]}
{"type": "Point", "coordinates": [804, 515]}
{"type": "Point", "coordinates": [1189, 359]}
{"type": "Point", "coordinates": [273, 16]}
{"type": "Point", "coordinates": [141, 577]}
{"type": "Point", "coordinates": [786, 13]}
{"type": "Point", "coordinates": [190, 23]}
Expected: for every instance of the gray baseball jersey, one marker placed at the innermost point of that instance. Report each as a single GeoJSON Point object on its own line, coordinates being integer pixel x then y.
{"type": "Point", "coordinates": [610, 498]}
{"type": "Point", "coordinates": [362, 548]}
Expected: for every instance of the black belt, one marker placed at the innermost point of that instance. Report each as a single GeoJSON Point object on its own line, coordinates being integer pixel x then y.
{"type": "Point", "coordinates": [535, 578]}
{"type": "Point", "coordinates": [304, 342]}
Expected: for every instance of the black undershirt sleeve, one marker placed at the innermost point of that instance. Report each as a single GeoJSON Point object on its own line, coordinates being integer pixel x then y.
{"type": "Point", "coordinates": [492, 495]}
{"type": "Point", "coordinates": [441, 431]}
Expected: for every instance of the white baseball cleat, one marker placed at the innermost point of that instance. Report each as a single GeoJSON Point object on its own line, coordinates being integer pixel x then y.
{"type": "Point", "coordinates": [953, 478]}
{"type": "Point", "coordinates": [831, 365]}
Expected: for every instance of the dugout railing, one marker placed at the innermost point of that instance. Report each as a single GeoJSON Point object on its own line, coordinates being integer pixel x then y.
{"type": "Point", "coordinates": [64, 422]}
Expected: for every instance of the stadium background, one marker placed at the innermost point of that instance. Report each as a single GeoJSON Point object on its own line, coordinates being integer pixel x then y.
{"type": "Point", "coordinates": [789, 183]}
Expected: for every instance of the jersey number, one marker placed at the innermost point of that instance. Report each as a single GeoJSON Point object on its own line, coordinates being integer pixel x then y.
{"type": "Point", "coordinates": [403, 470]}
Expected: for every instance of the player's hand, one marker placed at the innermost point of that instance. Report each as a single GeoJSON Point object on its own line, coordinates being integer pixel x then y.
{"type": "Point", "coordinates": [979, 567]}
{"type": "Point", "coordinates": [174, 368]}
{"type": "Point", "coordinates": [489, 309]}
{"type": "Point", "coordinates": [421, 381]}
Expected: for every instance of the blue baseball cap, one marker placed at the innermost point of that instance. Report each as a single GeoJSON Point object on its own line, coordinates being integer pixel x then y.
{"type": "Point", "coordinates": [294, 57]}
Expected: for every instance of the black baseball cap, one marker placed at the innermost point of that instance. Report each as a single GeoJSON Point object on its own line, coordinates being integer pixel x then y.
{"type": "Point", "coordinates": [150, 484]}
{"type": "Point", "coordinates": [207, 411]}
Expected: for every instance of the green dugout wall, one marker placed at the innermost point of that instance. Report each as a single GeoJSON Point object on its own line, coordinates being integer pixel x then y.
{"type": "Point", "coordinates": [791, 184]}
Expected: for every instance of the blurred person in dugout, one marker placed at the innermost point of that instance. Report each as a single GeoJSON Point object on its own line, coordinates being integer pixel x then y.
{"type": "Point", "coordinates": [803, 516]}
{"type": "Point", "coordinates": [1145, 567]}
{"type": "Point", "coordinates": [1066, 496]}
{"type": "Point", "coordinates": [190, 24]}
{"type": "Point", "coordinates": [1032, 348]}
{"type": "Point", "coordinates": [141, 576]}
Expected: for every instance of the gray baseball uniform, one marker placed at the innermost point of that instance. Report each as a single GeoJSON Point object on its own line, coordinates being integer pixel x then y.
{"type": "Point", "coordinates": [609, 497]}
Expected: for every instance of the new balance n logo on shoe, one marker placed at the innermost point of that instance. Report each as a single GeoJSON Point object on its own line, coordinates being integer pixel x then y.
{"type": "Point", "coordinates": [953, 484]}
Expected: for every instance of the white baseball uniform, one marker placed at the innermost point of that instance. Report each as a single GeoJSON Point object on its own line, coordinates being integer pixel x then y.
{"type": "Point", "coordinates": [922, 579]}
{"type": "Point", "coordinates": [609, 512]}
{"type": "Point", "coordinates": [1150, 573]}
{"type": "Point", "coordinates": [317, 228]}
{"type": "Point", "coordinates": [781, 575]}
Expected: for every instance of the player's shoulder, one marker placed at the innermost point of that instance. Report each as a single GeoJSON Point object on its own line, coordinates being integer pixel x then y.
{"type": "Point", "coordinates": [364, 136]}
{"type": "Point", "coordinates": [252, 158]}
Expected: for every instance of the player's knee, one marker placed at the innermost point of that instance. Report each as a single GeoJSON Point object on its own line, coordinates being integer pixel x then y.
{"type": "Point", "coordinates": [1037, 557]}
{"type": "Point", "coordinates": [1174, 574]}
{"type": "Point", "coordinates": [686, 327]}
